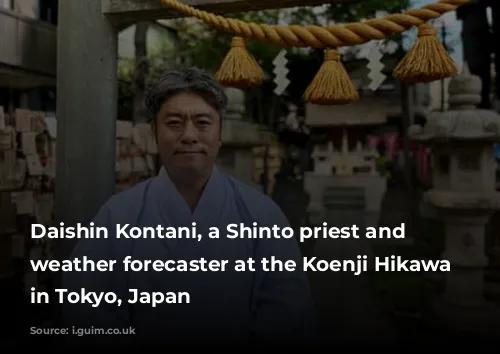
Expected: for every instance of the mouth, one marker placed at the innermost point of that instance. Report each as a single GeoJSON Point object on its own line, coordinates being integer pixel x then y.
{"type": "Point", "coordinates": [190, 152]}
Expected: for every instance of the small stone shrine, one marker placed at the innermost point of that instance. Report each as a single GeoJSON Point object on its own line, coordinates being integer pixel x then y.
{"type": "Point", "coordinates": [344, 180]}
{"type": "Point", "coordinates": [344, 162]}
{"type": "Point", "coordinates": [462, 141]}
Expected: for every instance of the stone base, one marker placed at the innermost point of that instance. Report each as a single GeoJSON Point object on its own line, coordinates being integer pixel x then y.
{"type": "Point", "coordinates": [474, 321]}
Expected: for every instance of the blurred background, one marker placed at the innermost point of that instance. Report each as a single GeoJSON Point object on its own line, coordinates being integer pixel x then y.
{"type": "Point", "coordinates": [344, 164]}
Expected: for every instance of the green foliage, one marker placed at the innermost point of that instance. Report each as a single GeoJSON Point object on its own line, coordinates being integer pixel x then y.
{"type": "Point", "coordinates": [207, 47]}
{"type": "Point", "coordinates": [125, 90]}
{"type": "Point", "coordinates": [161, 56]}
{"type": "Point", "coordinates": [200, 45]}
{"type": "Point", "coordinates": [363, 10]}
{"type": "Point", "coordinates": [354, 12]}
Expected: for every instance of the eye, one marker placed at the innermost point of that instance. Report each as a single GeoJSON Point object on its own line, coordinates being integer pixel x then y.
{"type": "Point", "coordinates": [173, 122]}
{"type": "Point", "coordinates": [204, 121]}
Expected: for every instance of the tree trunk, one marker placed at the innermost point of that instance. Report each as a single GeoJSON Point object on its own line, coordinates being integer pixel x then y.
{"type": "Point", "coordinates": [477, 46]}
{"type": "Point", "coordinates": [495, 7]}
{"type": "Point", "coordinates": [141, 72]}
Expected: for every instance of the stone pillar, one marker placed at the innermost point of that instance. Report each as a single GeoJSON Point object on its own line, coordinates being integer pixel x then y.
{"type": "Point", "coordinates": [86, 113]}
{"type": "Point", "coordinates": [463, 307]}
{"type": "Point", "coordinates": [235, 103]}
{"type": "Point", "coordinates": [464, 194]}
{"type": "Point", "coordinates": [238, 139]}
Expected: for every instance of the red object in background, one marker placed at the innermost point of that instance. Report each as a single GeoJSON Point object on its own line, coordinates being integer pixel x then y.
{"type": "Point", "coordinates": [423, 157]}
{"type": "Point", "coordinates": [391, 144]}
{"type": "Point", "coordinates": [413, 147]}
{"type": "Point", "coordinates": [373, 141]}
{"type": "Point", "coordinates": [423, 163]}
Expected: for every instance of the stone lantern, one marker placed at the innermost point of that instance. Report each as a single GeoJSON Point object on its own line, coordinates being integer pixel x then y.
{"type": "Point", "coordinates": [235, 103]}
{"type": "Point", "coordinates": [239, 137]}
{"type": "Point", "coordinates": [462, 141]}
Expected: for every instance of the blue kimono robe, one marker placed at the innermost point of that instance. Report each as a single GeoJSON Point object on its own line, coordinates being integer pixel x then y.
{"type": "Point", "coordinates": [228, 309]}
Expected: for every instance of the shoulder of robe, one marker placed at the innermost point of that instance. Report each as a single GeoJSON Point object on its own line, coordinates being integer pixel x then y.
{"type": "Point", "coordinates": [261, 207]}
{"type": "Point", "coordinates": [121, 208]}
{"type": "Point", "coordinates": [125, 206]}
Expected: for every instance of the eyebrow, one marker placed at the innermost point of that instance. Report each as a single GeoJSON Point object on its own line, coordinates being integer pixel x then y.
{"type": "Point", "coordinates": [180, 114]}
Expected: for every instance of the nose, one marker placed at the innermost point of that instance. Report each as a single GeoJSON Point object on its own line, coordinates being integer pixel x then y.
{"type": "Point", "coordinates": [189, 134]}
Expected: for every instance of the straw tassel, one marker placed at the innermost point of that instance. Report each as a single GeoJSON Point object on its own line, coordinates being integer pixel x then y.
{"type": "Point", "coordinates": [427, 61]}
{"type": "Point", "coordinates": [239, 68]}
{"type": "Point", "coordinates": [332, 84]}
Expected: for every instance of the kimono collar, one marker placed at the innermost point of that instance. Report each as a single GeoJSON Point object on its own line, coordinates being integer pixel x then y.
{"type": "Point", "coordinates": [175, 209]}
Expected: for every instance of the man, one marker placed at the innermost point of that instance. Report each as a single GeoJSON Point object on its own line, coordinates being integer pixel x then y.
{"type": "Point", "coordinates": [230, 310]}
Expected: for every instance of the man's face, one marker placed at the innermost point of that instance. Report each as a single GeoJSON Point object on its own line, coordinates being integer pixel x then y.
{"type": "Point", "coordinates": [188, 133]}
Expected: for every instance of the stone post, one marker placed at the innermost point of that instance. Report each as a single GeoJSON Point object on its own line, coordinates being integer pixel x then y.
{"type": "Point", "coordinates": [239, 137]}
{"type": "Point", "coordinates": [464, 194]}
{"type": "Point", "coordinates": [87, 94]}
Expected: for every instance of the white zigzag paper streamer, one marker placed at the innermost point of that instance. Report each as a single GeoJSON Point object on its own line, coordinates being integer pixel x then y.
{"type": "Point", "coordinates": [280, 72]}
{"type": "Point", "coordinates": [375, 65]}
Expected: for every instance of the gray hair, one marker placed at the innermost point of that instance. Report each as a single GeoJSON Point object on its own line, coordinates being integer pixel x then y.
{"type": "Point", "coordinates": [191, 80]}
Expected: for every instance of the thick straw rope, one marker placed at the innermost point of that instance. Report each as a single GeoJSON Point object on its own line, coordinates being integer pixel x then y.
{"type": "Point", "coordinates": [333, 36]}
